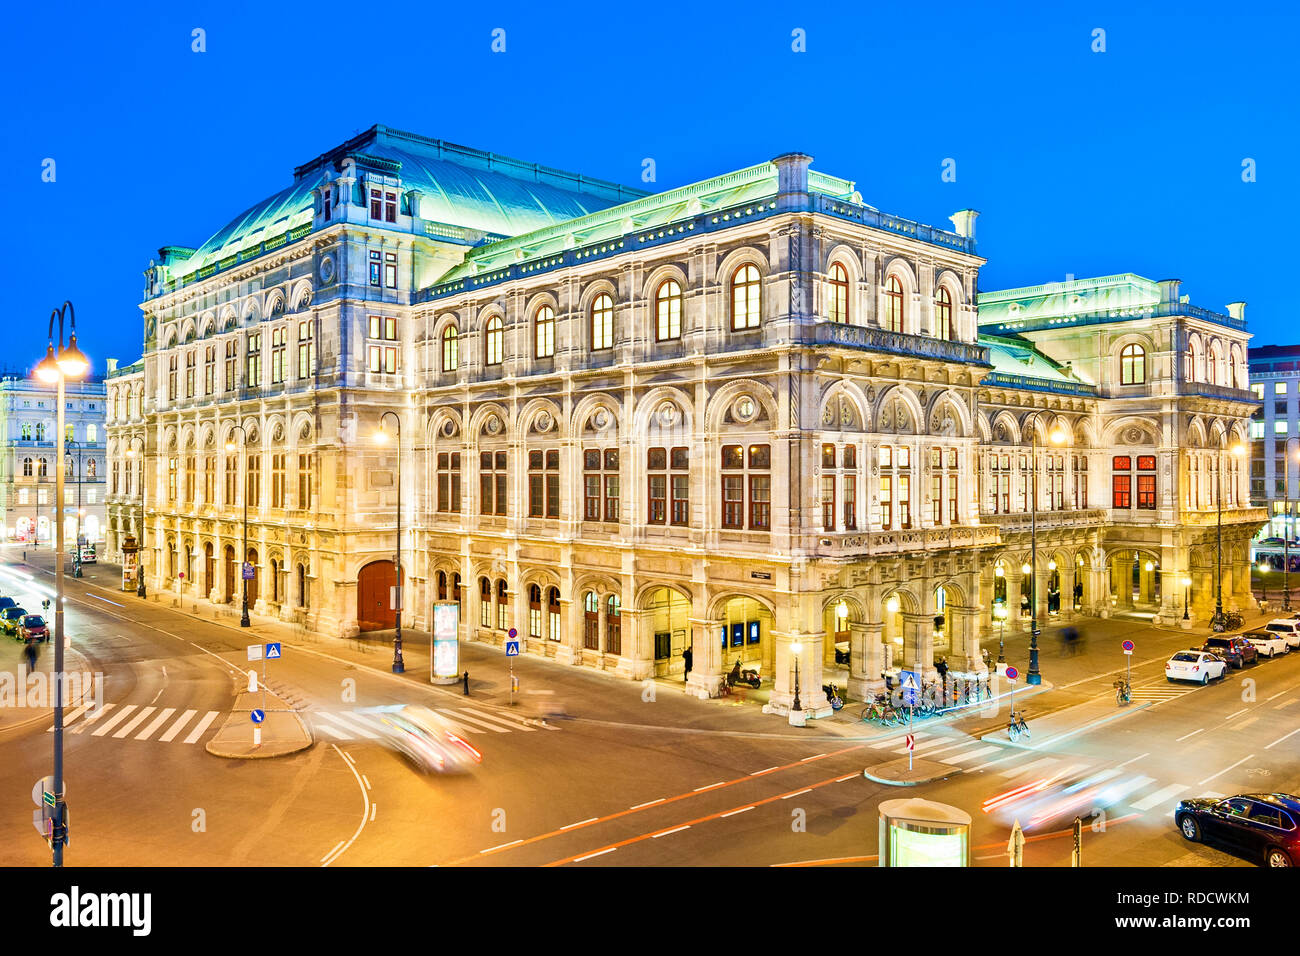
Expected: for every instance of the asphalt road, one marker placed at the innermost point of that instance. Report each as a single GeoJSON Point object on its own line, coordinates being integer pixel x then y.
{"type": "Point", "coordinates": [608, 787]}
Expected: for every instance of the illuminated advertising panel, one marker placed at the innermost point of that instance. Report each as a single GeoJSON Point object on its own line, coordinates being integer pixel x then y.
{"type": "Point", "coordinates": [446, 641]}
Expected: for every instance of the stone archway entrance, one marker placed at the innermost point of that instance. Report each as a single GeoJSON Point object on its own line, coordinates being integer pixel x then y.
{"type": "Point", "coordinates": [375, 610]}
{"type": "Point", "coordinates": [231, 572]}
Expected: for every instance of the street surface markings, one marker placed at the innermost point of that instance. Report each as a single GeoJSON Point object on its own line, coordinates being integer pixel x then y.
{"type": "Point", "coordinates": [178, 726]}
{"type": "Point", "coordinates": [156, 723]}
{"type": "Point", "coordinates": [461, 719]}
{"type": "Point", "coordinates": [354, 723]}
{"type": "Point", "coordinates": [1042, 763]}
{"type": "Point", "coordinates": [901, 738]}
{"type": "Point", "coordinates": [1160, 796]}
{"type": "Point", "coordinates": [134, 722]}
{"type": "Point", "coordinates": [70, 717]}
{"type": "Point", "coordinates": [925, 752]}
{"type": "Point", "coordinates": [93, 716]}
{"type": "Point", "coordinates": [1282, 738]}
{"type": "Point", "coordinates": [201, 726]}
{"type": "Point", "coordinates": [510, 723]}
{"type": "Point", "coordinates": [1159, 693]}
{"type": "Point", "coordinates": [1242, 724]}
{"type": "Point", "coordinates": [962, 758]}
{"type": "Point", "coordinates": [113, 721]}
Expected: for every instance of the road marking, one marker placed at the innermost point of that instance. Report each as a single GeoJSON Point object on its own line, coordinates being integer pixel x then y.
{"type": "Point", "coordinates": [597, 853]}
{"type": "Point", "coordinates": [492, 849]}
{"type": "Point", "coordinates": [797, 792]}
{"type": "Point", "coordinates": [1192, 734]}
{"type": "Point", "coordinates": [332, 852]}
{"type": "Point", "coordinates": [1277, 695]}
{"type": "Point", "coordinates": [1131, 759]}
{"type": "Point", "coordinates": [741, 810]}
{"type": "Point", "coordinates": [113, 721]}
{"type": "Point", "coordinates": [1285, 703]}
{"type": "Point", "coordinates": [1284, 737]}
{"type": "Point", "coordinates": [709, 787]}
{"type": "Point", "coordinates": [1043, 762]}
{"type": "Point", "coordinates": [105, 600]}
{"type": "Point", "coordinates": [365, 810]}
{"type": "Point", "coordinates": [177, 727]}
{"type": "Point", "coordinates": [814, 757]}
{"type": "Point", "coordinates": [69, 718]}
{"type": "Point", "coordinates": [461, 718]}
{"type": "Point", "coordinates": [93, 716]}
{"type": "Point", "coordinates": [134, 722]}
{"type": "Point", "coordinates": [937, 750]}
{"type": "Point", "coordinates": [847, 776]}
{"type": "Point", "coordinates": [156, 723]}
{"type": "Point", "coordinates": [353, 723]}
{"type": "Point", "coordinates": [373, 808]}
{"type": "Point", "coordinates": [331, 730]}
{"type": "Point", "coordinates": [507, 722]}
{"type": "Point", "coordinates": [160, 690]}
{"type": "Point", "coordinates": [1224, 770]}
{"type": "Point", "coordinates": [651, 803]}
{"type": "Point", "coordinates": [768, 770]}
{"type": "Point", "coordinates": [1243, 724]}
{"type": "Point", "coordinates": [960, 758]}
{"type": "Point", "coordinates": [1160, 796]}
{"type": "Point", "coordinates": [580, 823]}
{"type": "Point", "coordinates": [670, 832]}
{"type": "Point", "coordinates": [201, 726]}
{"type": "Point", "coordinates": [1237, 714]}
{"type": "Point", "coordinates": [366, 781]}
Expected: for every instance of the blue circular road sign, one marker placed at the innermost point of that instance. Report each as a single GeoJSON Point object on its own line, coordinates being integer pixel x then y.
{"type": "Point", "coordinates": [258, 716]}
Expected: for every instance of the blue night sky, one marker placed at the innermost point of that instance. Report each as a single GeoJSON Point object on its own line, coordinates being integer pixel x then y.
{"type": "Point", "coordinates": [1080, 162]}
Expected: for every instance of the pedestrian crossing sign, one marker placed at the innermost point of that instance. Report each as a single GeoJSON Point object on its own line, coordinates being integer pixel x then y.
{"type": "Point", "coordinates": [272, 651]}
{"type": "Point", "coordinates": [512, 648]}
{"type": "Point", "coordinates": [910, 687]}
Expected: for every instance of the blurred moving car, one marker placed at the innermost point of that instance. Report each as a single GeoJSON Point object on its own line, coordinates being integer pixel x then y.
{"type": "Point", "coordinates": [1267, 643]}
{"type": "Point", "coordinates": [10, 618]}
{"type": "Point", "coordinates": [430, 740]}
{"type": "Point", "coordinates": [33, 628]}
{"type": "Point", "coordinates": [1195, 665]}
{"type": "Point", "coordinates": [1236, 650]}
{"type": "Point", "coordinates": [1260, 827]}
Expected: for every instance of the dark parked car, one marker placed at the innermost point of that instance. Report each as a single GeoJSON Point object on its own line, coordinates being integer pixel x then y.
{"type": "Point", "coordinates": [7, 602]}
{"type": "Point", "coordinates": [1236, 650]}
{"type": "Point", "coordinates": [10, 618]}
{"type": "Point", "coordinates": [1260, 827]}
{"type": "Point", "coordinates": [33, 628]}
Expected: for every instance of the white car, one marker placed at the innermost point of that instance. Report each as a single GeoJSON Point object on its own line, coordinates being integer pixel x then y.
{"type": "Point", "coordinates": [1195, 665]}
{"type": "Point", "coordinates": [1286, 628]}
{"type": "Point", "coordinates": [1268, 643]}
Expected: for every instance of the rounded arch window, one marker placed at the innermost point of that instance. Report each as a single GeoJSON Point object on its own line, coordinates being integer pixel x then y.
{"type": "Point", "coordinates": [1132, 364]}
{"type": "Point", "coordinates": [668, 311]}
{"type": "Point", "coordinates": [544, 332]}
{"type": "Point", "coordinates": [893, 304]}
{"type": "Point", "coordinates": [746, 298]}
{"type": "Point", "coordinates": [602, 322]}
{"type": "Point", "coordinates": [943, 314]}
{"type": "Point", "coordinates": [494, 345]}
{"type": "Point", "coordinates": [839, 294]}
{"type": "Point", "coordinates": [450, 348]}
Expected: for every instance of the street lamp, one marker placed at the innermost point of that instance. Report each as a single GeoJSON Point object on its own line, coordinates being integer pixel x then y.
{"type": "Point", "coordinates": [1057, 436]}
{"type": "Point", "coordinates": [231, 446]}
{"type": "Point", "coordinates": [1286, 532]}
{"type": "Point", "coordinates": [1187, 590]}
{"type": "Point", "coordinates": [58, 366]}
{"type": "Point", "coordinates": [1263, 584]}
{"type": "Point", "coordinates": [1218, 623]}
{"type": "Point", "coordinates": [76, 560]}
{"type": "Point", "coordinates": [139, 561]}
{"type": "Point", "coordinates": [796, 648]}
{"type": "Point", "coordinates": [381, 436]}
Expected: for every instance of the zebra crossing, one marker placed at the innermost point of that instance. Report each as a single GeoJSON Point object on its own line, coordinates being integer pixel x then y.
{"type": "Point", "coordinates": [1157, 693]}
{"type": "Point", "coordinates": [121, 721]}
{"type": "Point", "coordinates": [354, 725]}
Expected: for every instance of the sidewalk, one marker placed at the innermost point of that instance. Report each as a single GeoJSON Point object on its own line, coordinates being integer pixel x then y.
{"type": "Point", "coordinates": [283, 731]}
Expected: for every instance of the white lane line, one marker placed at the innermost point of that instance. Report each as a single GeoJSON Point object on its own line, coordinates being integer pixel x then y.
{"type": "Point", "coordinates": [104, 599]}
{"type": "Point", "coordinates": [709, 787]}
{"type": "Point", "coordinates": [1242, 725]}
{"type": "Point", "coordinates": [332, 852]}
{"type": "Point", "coordinates": [961, 758]}
{"type": "Point", "coordinates": [797, 792]}
{"type": "Point", "coordinates": [366, 781]}
{"type": "Point", "coordinates": [177, 727]}
{"type": "Point", "coordinates": [1277, 695]}
{"type": "Point", "coordinates": [1237, 714]}
{"type": "Point", "coordinates": [134, 722]}
{"type": "Point", "coordinates": [651, 803]}
{"type": "Point", "coordinates": [347, 756]}
{"type": "Point", "coordinates": [1131, 759]}
{"type": "Point", "coordinates": [580, 823]}
{"type": "Point", "coordinates": [732, 813]}
{"type": "Point", "coordinates": [1192, 734]}
{"type": "Point", "coordinates": [1224, 770]}
{"type": "Point", "coordinates": [113, 721]}
{"type": "Point", "coordinates": [201, 726]}
{"type": "Point", "coordinates": [847, 776]}
{"type": "Point", "coordinates": [461, 718]}
{"type": "Point", "coordinates": [373, 808]}
{"type": "Point", "coordinates": [505, 721]}
{"type": "Point", "coordinates": [768, 770]}
{"type": "Point", "coordinates": [670, 832]}
{"type": "Point", "coordinates": [156, 723]}
{"type": "Point", "coordinates": [1160, 796]}
{"type": "Point", "coordinates": [502, 846]}
{"type": "Point", "coordinates": [597, 853]}
{"type": "Point", "coordinates": [160, 690]}
{"type": "Point", "coordinates": [813, 757]}
{"type": "Point", "coordinates": [1284, 737]}
{"type": "Point", "coordinates": [365, 811]}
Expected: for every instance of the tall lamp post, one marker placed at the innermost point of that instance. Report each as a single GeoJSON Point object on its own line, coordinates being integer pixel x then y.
{"type": "Point", "coordinates": [1217, 623]}
{"type": "Point", "coordinates": [1057, 437]}
{"type": "Point", "coordinates": [59, 365]}
{"type": "Point", "coordinates": [139, 561]}
{"type": "Point", "coordinates": [1187, 591]}
{"type": "Point", "coordinates": [796, 648]}
{"type": "Point", "coordinates": [399, 666]}
{"type": "Point", "coordinates": [76, 559]}
{"type": "Point", "coordinates": [1286, 531]}
{"type": "Point", "coordinates": [231, 446]}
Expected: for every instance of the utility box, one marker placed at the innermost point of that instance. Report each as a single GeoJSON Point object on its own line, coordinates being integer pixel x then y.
{"type": "Point", "coordinates": [916, 832]}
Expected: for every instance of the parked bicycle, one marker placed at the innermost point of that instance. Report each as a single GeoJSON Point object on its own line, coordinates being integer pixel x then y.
{"type": "Point", "coordinates": [881, 711]}
{"type": "Point", "coordinates": [1123, 692]}
{"type": "Point", "coordinates": [1016, 727]}
{"type": "Point", "coordinates": [1230, 621]}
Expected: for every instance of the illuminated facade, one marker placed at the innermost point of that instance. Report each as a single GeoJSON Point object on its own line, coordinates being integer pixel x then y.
{"type": "Point", "coordinates": [753, 416]}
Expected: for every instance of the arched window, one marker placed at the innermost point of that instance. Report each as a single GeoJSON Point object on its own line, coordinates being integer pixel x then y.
{"type": "Point", "coordinates": [893, 305]}
{"type": "Point", "coordinates": [92, 433]}
{"type": "Point", "coordinates": [503, 617]}
{"type": "Point", "coordinates": [485, 602]}
{"type": "Point", "coordinates": [40, 431]}
{"type": "Point", "coordinates": [591, 621]}
{"type": "Point", "coordinates": [90, 469]}
{"type": "Point", "coordinates": [553, 614]}
{"type": "Point", "coordinates": [450, 349]}
{"type": "Point", "coordinates": [602, 322]}
{"type": "Point", "coordinates": [42, 470]}
{"type": "Point", "coordinates": [534, 612]}
{"type": "Point", "coordinates": [668, 311]}
{"type": "Point", "coordinates": [27, 431]}
{"type": "Point", "coordinates": [544, 332]}
{"type": "Point", "coordinates": [943, 314]}
{"type": "Point", "coordinates": [494, 344]}
{"type": "Point", "coordinates": [442, 585]}
{"type": "Point", "coordinates": [613, 626]}
{"type": "Point", "coordinates": [746, 298]}
{"type": "Point", "coordinates": [839, 294]}
{"type": "Point", "coordinates": [27, 467]}
{"type": "Point", "coordinates": [1132, 364]}
{"type": "Point", "coordinates": [302, 586]}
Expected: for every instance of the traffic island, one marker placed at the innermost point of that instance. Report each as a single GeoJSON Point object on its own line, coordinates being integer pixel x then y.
{"type": "Point", "coordinates": [897, 773]}
{"type": "Point", "coordinates": [283, 732]}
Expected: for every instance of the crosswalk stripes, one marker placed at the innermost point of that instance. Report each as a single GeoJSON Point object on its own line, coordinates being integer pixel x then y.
{"type": "Point", "coordinates": [351, 725]}
{"type": "Point", "coordinates": [1150, 800]}
{"type": "Point", "coordinates": [1158, 693]}
{"type": "Point", "coordinates": [900, 738]}
{"type": "Point", "coordinates": [490, 718]}
{"type": "Point", "coordinates": [970, 755]}
{"type": "Point", "coordinates": [201, 726]}
{"type": "Point", "coordinates": [156, 723]}
{"type": "Point", "coordinates": [1040, 764]}
{"type": "Point", "coordinates": [176, 728]}
{"type": "Point", "coordinates": [125, 719]}
{"type": "Point", "coordinates": [91, 717]}
{"type": "Point", "coordinates": [134, 722]}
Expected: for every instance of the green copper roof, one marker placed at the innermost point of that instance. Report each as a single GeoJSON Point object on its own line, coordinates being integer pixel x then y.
{"type": "Point", "coordinates": [1119, 293]}
{"type": "Point", "coordinates": [458, 186]}
{"type": "Point", "coordinates": [1016, 356]}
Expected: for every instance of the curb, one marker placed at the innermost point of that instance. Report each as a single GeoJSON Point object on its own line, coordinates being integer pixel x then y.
{"type": "Point", "coordinates": [264, 752]}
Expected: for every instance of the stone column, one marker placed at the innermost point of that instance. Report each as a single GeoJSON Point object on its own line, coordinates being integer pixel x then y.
{"type": "Point", "coordinates": [918, 643]}
{"type": "Point", "coordinates": [811, 698]}
{"type": "Point", "coordinates": [866, 660]}
{"type": "Point", "coordinates": [965, 644]}
{"type": "Point", "coordinates": [569, 650]}
{"type": "Point", "coordinates": [706, 657]}
{"type": "Point", "coordinates": [638, 643]}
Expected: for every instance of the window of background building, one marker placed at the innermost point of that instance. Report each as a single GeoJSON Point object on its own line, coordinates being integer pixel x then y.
{"type": "Point", "coordinates": [450, 349]}
{"type": "Point", "coordinates": [668, 486]}
{"type": "Point", "coordinates": [306, 349]}
{"type": "Point", "coordinates": [390, 269]}
{"type": "Point", "coordinates": [1132, 365]}
{"type": "Point", "coordinates": [893, 305]}
{"type": "Point", "coordinates": [495, 342]}
{"type": "Point", "coordinates": [1279, 388]}
{"type": "Point", "coordinates": [382, 357]}
{"type": "Point", "coordinates": [894, 508]}
{"type": "Point", "coordinates": [943, 314]}
{"type": "Point", "coordinates": [253, 361]}
{"type": "Point", "coordinates": [231, 356]}
{"type": "Point", "coordinates": [279, 354]}
{"type": "Point", "coordinates": [306, 479]}
{"type": "Point", "coordinates": [376, 268]}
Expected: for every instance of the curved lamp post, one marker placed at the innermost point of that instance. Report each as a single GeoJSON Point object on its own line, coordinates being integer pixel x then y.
{"type": "Point", "coordinates": [59, 365]}
{"type": "Point", "coordinates": [231, 446]}
{"type": "Point", "coordinates": [1057, 436]}
{"type": "Point", "coordinates": [381, 436]}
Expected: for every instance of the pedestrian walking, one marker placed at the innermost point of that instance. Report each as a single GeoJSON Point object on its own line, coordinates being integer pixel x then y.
{"type": "Point", "coordinates": [29, 654]}
{"type": "Point", "coordinates": [941, 666]}
{"type": "Point", "coordinates": [465, 678]}
{"type": "Point", "coordinates": [688, 657]}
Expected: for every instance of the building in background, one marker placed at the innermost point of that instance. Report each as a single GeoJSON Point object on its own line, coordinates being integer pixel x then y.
{"type": "Point", "coordinates": [28, 420]}
{"type": "Point", "coordinates": [1275, 380]}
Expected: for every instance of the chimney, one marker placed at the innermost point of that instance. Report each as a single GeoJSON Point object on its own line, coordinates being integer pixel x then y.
{"type": "Point", "coordinates": [1237, 310]}
{"type": "Point", "coordinates": [110, 365]}
{"type": "Point", "coordinates": [964, 222]}
{"type": "Point", "coordinates": [792, 179]}
{"type": "Point", "coordinates": [1169, 290]}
